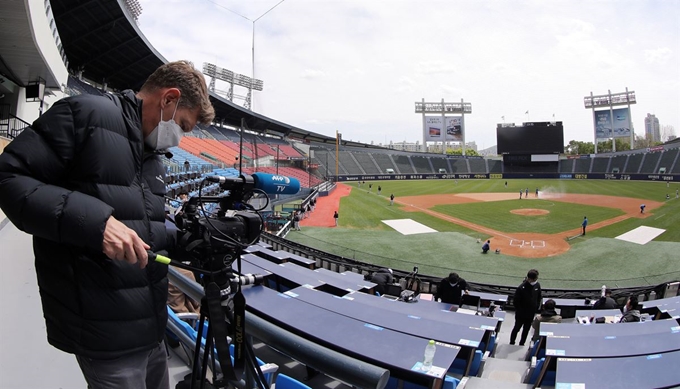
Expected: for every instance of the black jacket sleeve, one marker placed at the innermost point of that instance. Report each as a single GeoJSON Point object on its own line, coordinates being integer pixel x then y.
{"type": "Point", "coordinates": [32, 171]}
{"type": "Point", "coordinates": [517, 300]}
{"type": "Point", "coordinates": [440, 290]}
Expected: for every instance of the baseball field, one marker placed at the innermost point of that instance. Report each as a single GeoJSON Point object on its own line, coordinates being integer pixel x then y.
{"type": "Point", "coordinates": [622, 246]}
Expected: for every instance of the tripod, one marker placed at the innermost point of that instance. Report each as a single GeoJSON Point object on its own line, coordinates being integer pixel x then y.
{"type": "Point", "coordinates": [412, 281]}
{"type": "Point", "coordinates": [222, 315]}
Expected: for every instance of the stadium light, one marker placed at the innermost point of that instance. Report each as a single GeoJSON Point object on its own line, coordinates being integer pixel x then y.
{"type": "Point", "coordinates": [134, 8]}
{"type": "Point", "coordinates": [217, 73]}
{"type": "Point", "coordinates": [252, 82]}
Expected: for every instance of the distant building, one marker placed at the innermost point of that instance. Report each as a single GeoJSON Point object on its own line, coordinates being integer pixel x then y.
{"type": "Point", "coordinates": [437, 147]}
{"type": "Point", "coordinates": [652, 128]}
{"type": "Point", "coordinates": [404, 146]}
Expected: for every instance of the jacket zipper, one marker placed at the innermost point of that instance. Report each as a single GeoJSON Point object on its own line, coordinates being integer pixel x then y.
{"type": "Point", "coordinates": [147, 222]}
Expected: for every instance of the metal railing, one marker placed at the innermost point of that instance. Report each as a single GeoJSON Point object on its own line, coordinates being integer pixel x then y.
{"type": "Point", "coordinates": [346, 368]}
{"type": "Point", "coordinates": [428, 283]}
{"type": "Point", "coordinates": [11, 126]}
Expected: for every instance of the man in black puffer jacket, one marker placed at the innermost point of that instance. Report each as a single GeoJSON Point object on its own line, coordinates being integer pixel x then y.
{"type": "Point", "coordinates": [86, 180]}
{"type": "Point", "coordinates": [381, 278]}
{"type": "Point", "coordinates": [527, 301]}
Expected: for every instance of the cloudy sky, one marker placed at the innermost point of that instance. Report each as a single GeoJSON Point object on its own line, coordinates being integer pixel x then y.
{"type": "Point", "coordinates": [358, 67]}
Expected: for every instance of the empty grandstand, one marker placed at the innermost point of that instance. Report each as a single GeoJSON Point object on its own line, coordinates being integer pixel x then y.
{"type": "Point", "coordinates": [316, 311]}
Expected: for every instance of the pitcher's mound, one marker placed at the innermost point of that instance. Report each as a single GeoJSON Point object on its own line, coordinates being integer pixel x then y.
{"type": "Point", "coordinates": [530, 212]}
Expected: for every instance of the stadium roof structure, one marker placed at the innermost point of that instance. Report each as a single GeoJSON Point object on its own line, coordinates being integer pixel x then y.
{"type": "Point", "coordinates": [673, 141]}
{"type": "Point", "coordinates": [102, 39]}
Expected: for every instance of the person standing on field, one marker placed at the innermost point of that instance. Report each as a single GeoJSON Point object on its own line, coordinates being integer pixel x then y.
{"type": "Point", "coordinates": [584, 224]}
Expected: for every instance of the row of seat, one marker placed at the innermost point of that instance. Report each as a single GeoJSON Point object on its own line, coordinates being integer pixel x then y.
{"type": "Point", "coordinates": [465, 364]}
{"type": "Point", "coordinates": [306, 179]}
{"type": "Point", "coordinates": [377, 162]}
{"type": "Point", "coordinates": [183, 328]}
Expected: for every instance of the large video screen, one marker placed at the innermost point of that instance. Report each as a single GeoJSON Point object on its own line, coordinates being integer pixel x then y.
{"type": "Point", "coordinates": [435, 132]}
{"type": "Point", "coordinates": [603, 125]}
{"type": "Point", "coordinates": [530, 138]}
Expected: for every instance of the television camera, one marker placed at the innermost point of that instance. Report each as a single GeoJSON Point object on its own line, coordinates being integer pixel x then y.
{"type": "Point", "coordinates": [211, 241]}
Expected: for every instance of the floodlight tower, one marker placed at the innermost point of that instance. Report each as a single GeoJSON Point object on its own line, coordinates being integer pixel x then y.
{"type": "Point", "coordinates": [253, 46]}
{"type": "Point", "coordinates": [454, 132]}
{"type": "Point", "coordinates": [607, 130]}
{"type": "Point", "coordinates": [216, 72]}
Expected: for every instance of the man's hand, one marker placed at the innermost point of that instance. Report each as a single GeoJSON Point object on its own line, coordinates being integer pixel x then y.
{"type": "Point", "coordinates": [123, 244]}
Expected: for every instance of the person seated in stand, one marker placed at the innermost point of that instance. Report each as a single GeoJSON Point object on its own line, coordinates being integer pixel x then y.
{"type": "Point", "coordinates": [606, 301]}
{"type": "Point", "coordinates": [450, 289]}
{"type": "Point", "coordinates": [630, 312]}
{"type": "Point", "coordinates": [178, 300]}
{"type": "Point", "coordinates": [486, 246]}
{"type": "Point", "coordinates": [183, 197]}
{"type": "Point", "coordinates": [381, 278]}
{"type": "Point", "coordinates": [547, 315]}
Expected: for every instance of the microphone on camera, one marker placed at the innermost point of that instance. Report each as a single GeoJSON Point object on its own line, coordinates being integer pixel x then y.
{"type": "Point", "coordinates": [268, 183]}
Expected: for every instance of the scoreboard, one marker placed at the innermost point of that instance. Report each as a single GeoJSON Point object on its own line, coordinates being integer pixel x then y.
{"type": "Point", "coordinates": [530, 138]}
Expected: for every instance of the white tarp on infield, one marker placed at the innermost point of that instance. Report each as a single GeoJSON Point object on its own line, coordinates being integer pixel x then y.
{"type": "Point", "coordinates": [408, 226]}
{"type": "Point", "coordinates": [641, 235]}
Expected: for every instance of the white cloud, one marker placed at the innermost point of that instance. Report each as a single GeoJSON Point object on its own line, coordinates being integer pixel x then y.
{"type": "Point", "coordinates": [311, 74]}
{"type": "Point", "coordinates": [434, 67]}
{"type": "Point", "coordinates": [659, 56]}
{"type": "Point", "coordinates": [358, 66]}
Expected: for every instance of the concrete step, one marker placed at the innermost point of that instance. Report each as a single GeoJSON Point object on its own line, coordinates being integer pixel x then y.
{"type": "Point", "coordinates": [505, 370]}
{"type": "Point", "coordinates": [511, 352]}
{"type": "Point", "coordinates": [484, 383]}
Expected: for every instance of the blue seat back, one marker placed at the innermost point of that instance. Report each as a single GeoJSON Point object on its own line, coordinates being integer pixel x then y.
{"type": "Point", "coordinates": [186, 328]}
{"type": "Point", "coordinates": [476, 363]}
{"type": "Point", "coordinates": [460, 364]}
{"type": "Point", "coordinates": [548, 378]}
{"type": "Point", "coordinates": [450, 382]}
{"type": "Point", "coordinates": [285, 382]}
{"type": "Point", "coordinates": [492, 343]}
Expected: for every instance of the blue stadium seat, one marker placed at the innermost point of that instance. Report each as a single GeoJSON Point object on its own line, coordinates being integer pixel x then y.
{"type": "Point", "coordinates": [185, 327]}
{"type": "Point", "coordinates": [459, 364]}
{"type": "Point", "coordinates": [535, 352]}
{"type": "Point", "coordinates": [285, 382]}
{"type": "Point", "coordinates": [449, 383]}
{"type": "Point", "coordinates": [492, 344]}
{"type": "Point", "coordinates": [548, 379]}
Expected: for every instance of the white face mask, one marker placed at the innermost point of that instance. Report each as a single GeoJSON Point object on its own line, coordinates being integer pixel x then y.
{"type": "Point", "coordinates": [166, 134]}
{"type": "Point", "coordinates": [533, 283]}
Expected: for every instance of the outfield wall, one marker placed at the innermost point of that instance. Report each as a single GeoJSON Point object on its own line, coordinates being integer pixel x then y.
{"type": "Point", "coordinates": [501, 176]}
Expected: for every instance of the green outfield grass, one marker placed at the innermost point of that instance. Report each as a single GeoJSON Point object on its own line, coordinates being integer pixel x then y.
{"type": "Point", "coordinates": [591, 261]}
